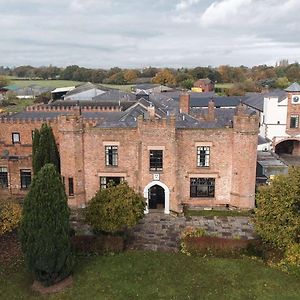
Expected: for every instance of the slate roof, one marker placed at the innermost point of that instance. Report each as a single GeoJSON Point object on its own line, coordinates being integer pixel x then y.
{"type": "Point", "coordinates": [294, 87]}
{"type": "Point", "coordinates": [115, 95]}
{"type": "Point", "coordinates": [145, 86]}
{"type": "Point", "coordinates": [65, 103]}
{"type": "Point", "coordinates": [128, 117]}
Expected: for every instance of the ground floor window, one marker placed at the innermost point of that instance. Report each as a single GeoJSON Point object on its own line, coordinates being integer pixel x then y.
{"type": "Point", "coordinates": [3, 177]}
{"type": "Point", "coordinates": [105, 181]}
{"type": "Point", "coordinates": [25, 176]}
{"type": "Point", "coordinates": [71, 186]}
{"type": "Point", "coordinates": [202, 187]}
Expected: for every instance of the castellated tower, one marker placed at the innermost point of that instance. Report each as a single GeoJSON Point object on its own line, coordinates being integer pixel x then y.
{"type": "Point", "coordinates": [245, 135]}
{"type": "Point", "coordinates": [70, 130]}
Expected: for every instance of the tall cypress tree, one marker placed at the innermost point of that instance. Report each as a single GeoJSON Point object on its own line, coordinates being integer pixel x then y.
{"type": "Point", "coordinates": [36, 163]}
{"type": "Point", "coordinates": [45, 228]}
{"type": "Point", "coordinates": [44, 149]}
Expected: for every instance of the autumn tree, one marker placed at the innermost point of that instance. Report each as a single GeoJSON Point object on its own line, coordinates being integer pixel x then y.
{"type": "Point", "coordinates": [165, 77]}
{"type": "Point", "coordinates": [131, 75]}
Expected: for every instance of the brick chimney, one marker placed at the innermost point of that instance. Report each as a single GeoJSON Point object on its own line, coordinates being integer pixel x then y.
{"type": "Point", "coordinates": [184, 103]}
{"type": "Point", "coordinates": [211, 110]}
{"type": "Point", "coordinates": [151, 112]}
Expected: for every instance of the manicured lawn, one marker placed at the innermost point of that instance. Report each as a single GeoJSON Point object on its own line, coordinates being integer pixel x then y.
{"type": "Point", "coordinates": [217, 213]}
{"type": "Point", "coordinates": [145, 275]}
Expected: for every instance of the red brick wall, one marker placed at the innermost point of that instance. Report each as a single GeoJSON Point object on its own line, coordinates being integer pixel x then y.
{"type": "Point", "coordinates": [82, 150]}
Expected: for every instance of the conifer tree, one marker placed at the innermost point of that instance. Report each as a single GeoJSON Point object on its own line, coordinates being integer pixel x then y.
{"type": "Point", "coordinates": [36, 163]}
{"type": "Point", "coordinates": [44, 149]}
{"type": "Point", "coordinates": [45, 228]}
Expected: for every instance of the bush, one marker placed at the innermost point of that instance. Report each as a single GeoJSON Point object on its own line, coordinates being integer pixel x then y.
{"type": "Point", "coordinates": [197, 242]}
{"type": "Point", "coordinates": [45, 229]}
{"type": "Point", "coordinates": [277, 217]}
{"type": "Point", "coordinates": [10, 216]}
{"type": "Point", "coordinates": [115, 209]}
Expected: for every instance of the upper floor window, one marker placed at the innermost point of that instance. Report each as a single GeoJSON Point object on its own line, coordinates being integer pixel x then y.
{"type": "Point", "coordinates": [3, 177]}
{"type": "Point", "coordinates": [156, 160]}
{"type": "Point", "coordinates": [202, 187]}
{"type": "Point", "coordinates": [294, 121]}
{"type": "Point", "coordinates": [203, 153]}
{"type": "Point", "coordinates": [111, 155]}
{"type": "Point", "coordinates": [16, 138]}
{"type": "Point", "coordinates": [25, 176]}
{"type": "Point", "coordinates": [105, 181]}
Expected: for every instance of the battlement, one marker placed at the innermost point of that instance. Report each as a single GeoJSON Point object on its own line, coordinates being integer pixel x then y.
{"type": "Point", "coordinates": [49, 108]}
{"type": "Point", "coordinates": [155, 123]}
{"type": "Point", "coordinates": [246, 123]}
{"type": "Point", "coordinates": [37, 121]}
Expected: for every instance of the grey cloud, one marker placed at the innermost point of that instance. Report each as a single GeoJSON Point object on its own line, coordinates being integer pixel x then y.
{"type": "Point", "coordinates": [137, 33]}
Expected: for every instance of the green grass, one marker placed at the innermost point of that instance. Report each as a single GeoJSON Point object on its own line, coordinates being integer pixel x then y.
{"type": "Point", "coordinates": [45, 83]}
{"type": "Point", "coordinates": [20, 105]}
{"type": "Point", "coordinates": [23, 82]}
{"type": "Point", "coordinates": [217, 213]}
{"type": "Point", "coordinates": [224, 85]}
{"type": "Point", "coordinates": [144, 275]}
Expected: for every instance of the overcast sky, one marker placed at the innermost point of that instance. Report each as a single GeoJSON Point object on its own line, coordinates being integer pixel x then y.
{"type": "Point", "coordinates": [139, 33]}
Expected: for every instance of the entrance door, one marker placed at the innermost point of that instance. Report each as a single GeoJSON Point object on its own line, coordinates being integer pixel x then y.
{"type": "Point", "coordinates": [156, 197]}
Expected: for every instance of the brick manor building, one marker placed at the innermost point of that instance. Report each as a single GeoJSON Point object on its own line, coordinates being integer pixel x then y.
{"type": "Point", "coordinates": [173, 155]}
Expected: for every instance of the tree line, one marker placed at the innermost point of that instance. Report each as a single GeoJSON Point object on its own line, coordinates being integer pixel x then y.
{"type": "Point", "coordinates": [250, 79]}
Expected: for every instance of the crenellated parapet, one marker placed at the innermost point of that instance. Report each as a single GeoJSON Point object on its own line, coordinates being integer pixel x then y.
{"type": "Point", "coordinates": [73, 108]}
{"type": "Point", "coordinates": [245, 123]}
{"type": "Point", "coordinates": [31, 121]}
{"type": "Point", "coordinates": [152, 123]}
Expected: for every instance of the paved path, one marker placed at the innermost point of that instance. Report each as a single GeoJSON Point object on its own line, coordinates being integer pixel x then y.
{"type": "Point", "coordinates": [160, 232]}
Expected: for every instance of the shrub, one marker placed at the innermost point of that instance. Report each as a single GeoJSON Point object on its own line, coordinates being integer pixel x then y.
{"type": "Point", "coordinates": [45, 228]}
{"type": "Point", "coordinates": [115, 209]}
{"type": "Point", "coordinates": [10, 216]}
{"type": "Point", "coordinates": [277, 217]}
{"type": "Point", "coordinates": [197, 242]}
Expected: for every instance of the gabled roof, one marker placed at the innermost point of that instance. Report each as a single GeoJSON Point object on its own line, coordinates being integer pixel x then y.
{"type": "Point", "coordinates": [63, 89]}
{"type": "Point", "coordinates": [86, 87]}
{"type": "Point", "coordinates": [295, 87]}
{"type": "Point", "coordinates": [115, 95]}
{"type": "Point", "coordinates": [204, 80]}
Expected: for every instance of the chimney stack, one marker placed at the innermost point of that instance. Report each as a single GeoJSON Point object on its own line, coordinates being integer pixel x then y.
{"type": "Point", "coordinates": [211, 110]}
{"type": "Point", "coordinates": [184, 103]}
{"type": "Point", "coordinates": [151, 112]}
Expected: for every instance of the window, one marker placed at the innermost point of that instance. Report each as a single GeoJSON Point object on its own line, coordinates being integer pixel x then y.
{"type": "Point", "coordinates": [71, 186]}
{"type": "Point", "coordinates": [16, 138]}
{"type": "Point", "coordinates": [156, 160]}
{"type": "Point", "coordinates": [111, 155]}
{"type": "Point", "coordinates": [203, 156]}
{"type": "Point", "coordinates": [3, 177]}
{"type": "Point", "coordinates": [104, 181]}
{"type": "Point", "coordinates": [294, 122]}
{"type": "Point", "coordinates": [25, 176]}
{"type": "Point", "coordinates": [202, 187]}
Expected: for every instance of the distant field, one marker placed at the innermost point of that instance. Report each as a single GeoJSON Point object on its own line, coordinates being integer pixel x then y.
{"type": "Point", "coordinates": [224, 85]}
{"type": "Point", "coordinates": [60, 83]}
{"type": "Point", "coordinates": [45, 83]}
